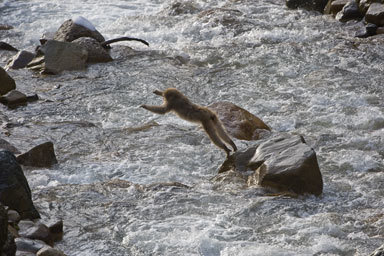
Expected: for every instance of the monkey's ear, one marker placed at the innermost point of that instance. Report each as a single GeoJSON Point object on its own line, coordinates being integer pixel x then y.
{"type": "Point", "coordinates": [157, 92]}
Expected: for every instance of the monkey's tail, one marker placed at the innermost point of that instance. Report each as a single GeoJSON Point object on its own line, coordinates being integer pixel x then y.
{"type": "Point", "coordinates": [106, 44]}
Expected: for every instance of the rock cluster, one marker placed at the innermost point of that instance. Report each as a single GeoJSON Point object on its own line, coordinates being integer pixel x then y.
{"type": "Point", "coordinates": [371, 11]}
{"type": "Point", "coordinates": [283, 162]}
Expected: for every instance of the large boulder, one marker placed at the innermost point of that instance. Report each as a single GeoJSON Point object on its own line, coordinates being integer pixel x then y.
{"type": "Point", "coordinates": [20, 60]}
{"type": "Point", "coordinates": [14, 188]}
{"type": "Point", "coordinates": [80, 27]}
{"type": "Point", "coordinates": [42, 155]}
{"type": "Point", "coordinates": [55, 56]}
{"type": "Point", "coordinates": [283, 161]}
{"type": "Point", "coordinates": [312, 5]}
{"type": "Point", "coordinates": [375, 14]}
{"type": "Point", "coordinates": [7, 83]}
{"type": "Point", "coordinates": [96, 53]}
{"type": "Point", "coordinates": [238, 122]}
{"type": "Point", "coordinates": [350, 11]}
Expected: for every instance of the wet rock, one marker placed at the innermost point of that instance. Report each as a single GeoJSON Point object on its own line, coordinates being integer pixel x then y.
{"type": "Point", "coordinates": [13, 216]}
{"type": "Point", "coordinates": [375, 14]}
{"type": "Point", "coordinates": [55, 56]}
{"type": "Point", "coordinates": [5, 27]}
{"type": "Point", "coordinates": [20, 60]}
{"type": "Point", "coordinates": [96, 53]}
{"type": "Point", "coordinates": [48, 251]}
{"type": "Point", "coordinates": [335, 6]}
{"type": "Point", "coordinates": [7, 83]}
{"type": "Point", "coordinates": [370, 30]}
{"type": "Point", "coordinates": [378, 252]}
{"type": "Point", "coordinates": [56, 230]}
{"type": "Point", "coordinates": [42, 155]}
{"type": "Point", "coordinates": [14, 188]}
{"type": "Point", "coordinates": [287, 163]}
{"type": "Point", "coordinates": [9, 247]}
{"type": "Point", "coordinates": [350, 11]}
{"type": "Point", "coordinates": [8, 146]}
{"type": "Point", "coordinates": [7, 47]}
{"type": "Point", "coordinates": [238, 122]}
{"type": "Point", "coordinates": [71, 30]}
{"type": "Point", "coordinates": [311, 5]}
{"type": "Point", "coordinates": [14, 99]}
{"type": "Point", "coordinates": [38, 231]}
{"type": "Point", "coordinates": [29, 245]}
{"type": "Point", "coordinates": [283, 162]}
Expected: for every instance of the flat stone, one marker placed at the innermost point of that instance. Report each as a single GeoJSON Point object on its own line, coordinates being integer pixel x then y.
{"type": "Point", "coordinates": [14, 98]}
{"type": "Point", "coordinates": [42, 155]}
{"type": "Point", "coordinates": [20, 60]}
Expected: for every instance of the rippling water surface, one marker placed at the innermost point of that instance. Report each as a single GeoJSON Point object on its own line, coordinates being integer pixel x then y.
{"type": "Point", "coordinates": [299, 71]}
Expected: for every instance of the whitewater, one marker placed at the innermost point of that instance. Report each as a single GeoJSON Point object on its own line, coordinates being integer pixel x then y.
{"type": "Point", "coordinates": [299, 71]}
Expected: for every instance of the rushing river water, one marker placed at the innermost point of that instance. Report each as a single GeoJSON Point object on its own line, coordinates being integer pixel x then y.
{"type": "Point", "coordinates": [298, 71]}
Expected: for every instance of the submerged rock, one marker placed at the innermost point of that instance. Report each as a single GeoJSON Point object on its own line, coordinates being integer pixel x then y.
{"type": "Point", "coordinates": [42, 155]}
{"type": "Point", "coordinates": [58, 56]}
{"type": "Point", "coordinates": [96, 53]}
{"type": "Point", "coordinates": [7, 83]}
{"type": "Point", "coordinates": [71, 30]}
{"type": "Point", "coordinates": [238, 122]}
{"type": "Point", "coordinates": [312, 5]}
{"type": "Point", "coordinates": [14, 188]}
{"type": "Point", "coordinates": [20, 60]}
{"type": "Point", "coordinates": [284, 162]}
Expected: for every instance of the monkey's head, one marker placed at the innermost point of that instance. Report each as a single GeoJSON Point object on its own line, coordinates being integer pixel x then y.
{"type": "Point", "coordinates": [172, 94]}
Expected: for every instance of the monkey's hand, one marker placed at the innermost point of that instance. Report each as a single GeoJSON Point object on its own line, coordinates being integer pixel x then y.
{"type": "Point", "coordinates": [157, 92]}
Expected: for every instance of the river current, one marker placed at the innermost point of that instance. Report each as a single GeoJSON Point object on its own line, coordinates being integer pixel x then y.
{"type": "Point", "coordinates": [297, 70]}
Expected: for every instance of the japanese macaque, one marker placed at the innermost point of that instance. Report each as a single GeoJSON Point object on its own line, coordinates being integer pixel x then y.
{"type": "Point", "coordinates": [184, 108]}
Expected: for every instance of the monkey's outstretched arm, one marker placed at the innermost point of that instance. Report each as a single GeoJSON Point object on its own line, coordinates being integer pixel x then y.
{"type": "Point", "coordinates": [209, 127]}
{"type": "Point", "coordinates": [157, 109]}
{"type": "Point", "coordinates": [157, 92]}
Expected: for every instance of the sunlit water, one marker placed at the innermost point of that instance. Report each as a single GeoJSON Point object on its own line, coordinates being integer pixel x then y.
{"type": "Point", "coordinates": [299, 71]}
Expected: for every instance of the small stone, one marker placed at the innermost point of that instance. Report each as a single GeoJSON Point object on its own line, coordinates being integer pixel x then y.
{"type": "Point", "coordinates": [14, 99]}
{"type": "Point", "coordinates": [49, 251]}
{"type": "Point", "coordinates": [20, 60]}
{"type": "Point", "coordinates": [56, 230]}
{"type": "Point", "coordinates": [350, 11]}
{"type": "Point", "coordinates": [38, 231]}
{"type": "Point", "coordinates": [370, 30]}
{"type": "Point", "coordinates": [13, 216]}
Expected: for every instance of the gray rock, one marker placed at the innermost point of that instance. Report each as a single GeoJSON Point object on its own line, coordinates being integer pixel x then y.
{"type": "Point", "coordinates": [42, 155]}
{"type": "Point", "coordinates": [350, 11]}
{"type": "Point", "coordinates": [38, 231]}
{"type": "Point", "coordinates": [58, 56]}
{"type": "Point", "coordinates": [7, 83]}
{"type": "Point", "coordinates": [20, 60]}
{"type": "Point", "coordinates": [375, 14]}
{"type": "Point", "coordinates": [96, 53]}
{"type": "Point", "coordinates": [287, 163]}
{"type": "Point", "coordinates": [70, 31]}
{"type": "Point", "coordinates": [29, 245]}
{"type": "Point", "coordinates": [333, 7]}
{"type": "Point", "coordinates": [14, 188]}
{"type": "Point", "coordinates": [48, 251]}
{"type": "Point", "coordinates": [238, 122]}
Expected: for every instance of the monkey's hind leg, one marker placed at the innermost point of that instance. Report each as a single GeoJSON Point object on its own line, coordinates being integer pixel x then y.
{"type": "Point", "coordinates": [209, 127]}
{"type": "Point", "coordinates": [223, 134]}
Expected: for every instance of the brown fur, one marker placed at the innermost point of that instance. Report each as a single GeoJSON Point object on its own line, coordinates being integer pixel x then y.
{"type": "Point", "coordinates": [175, 101]}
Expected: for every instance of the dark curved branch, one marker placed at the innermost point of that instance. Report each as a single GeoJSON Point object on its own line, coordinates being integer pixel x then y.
{"type": "Point", "coordinates": [106, 44]}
